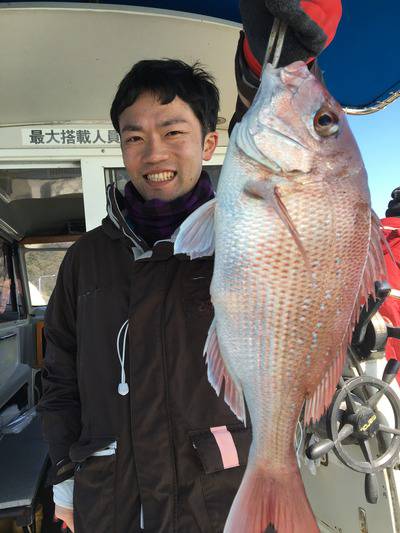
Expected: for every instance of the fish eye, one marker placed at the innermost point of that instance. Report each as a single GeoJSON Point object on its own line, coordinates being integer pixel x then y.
{"type": "Point", "coordinates": [326, 123]}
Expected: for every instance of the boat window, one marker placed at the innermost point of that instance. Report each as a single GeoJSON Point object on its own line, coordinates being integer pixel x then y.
{"type": "Point", "coordinates": [41, 200]}
{"type": "Point", "coordinates": [21, 184]}
{"type": "Point", "coordinates": [42, 262]}
{"type": "Point", "coordinates": [120, 176]}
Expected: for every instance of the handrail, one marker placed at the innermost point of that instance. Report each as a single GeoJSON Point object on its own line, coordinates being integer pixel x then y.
{"type": "Point", "coordinates": [373, 109]}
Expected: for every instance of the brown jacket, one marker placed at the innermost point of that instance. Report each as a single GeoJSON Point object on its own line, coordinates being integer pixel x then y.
{"type": "Point", "coordinates": [167, 458]}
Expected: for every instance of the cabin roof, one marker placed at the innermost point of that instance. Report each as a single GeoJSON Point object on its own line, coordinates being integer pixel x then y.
{"type": "Point", "coordinates": [62, 63]}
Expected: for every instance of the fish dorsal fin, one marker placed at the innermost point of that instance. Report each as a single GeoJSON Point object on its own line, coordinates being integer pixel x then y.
{"type": "Point", "coordinates": [217, 373]}
{"type": "Point", "coordinates": [195, 236]}
{"type": "Point", "coordinates": [384, 239]}
{"type": "Point", "coordinates": [374, 270]}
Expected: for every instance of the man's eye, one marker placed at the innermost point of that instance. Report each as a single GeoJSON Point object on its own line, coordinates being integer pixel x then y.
{"type": "Point", "coordinates": [174, 133]}
{"type": "Point", "coordinates": [133, 139]}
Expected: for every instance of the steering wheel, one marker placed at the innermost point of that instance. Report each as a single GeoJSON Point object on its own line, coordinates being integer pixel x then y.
{"type": "Point", "coordinates": [354, 418]}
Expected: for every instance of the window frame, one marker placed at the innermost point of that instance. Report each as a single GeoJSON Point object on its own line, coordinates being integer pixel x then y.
{"type": "Point", "coordinates": [17, 298]}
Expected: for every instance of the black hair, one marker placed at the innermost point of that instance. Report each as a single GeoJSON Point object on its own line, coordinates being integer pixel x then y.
{"type": "Point", "coordinates": [166, 79]}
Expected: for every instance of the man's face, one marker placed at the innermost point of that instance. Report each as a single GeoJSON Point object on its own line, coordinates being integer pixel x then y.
{"type": "Point", "coordinates": [163, 147]}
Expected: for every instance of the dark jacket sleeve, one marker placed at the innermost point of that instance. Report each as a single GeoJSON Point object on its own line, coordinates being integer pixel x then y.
{"type": "Point", "coordinates": [59, 406]}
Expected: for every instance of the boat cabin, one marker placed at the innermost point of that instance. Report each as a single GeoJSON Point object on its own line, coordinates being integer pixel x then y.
{"type": "Point", "coordinates": [60, 66]}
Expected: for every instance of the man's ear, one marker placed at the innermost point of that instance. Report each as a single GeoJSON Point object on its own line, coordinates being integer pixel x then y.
{"type": "Point", "coordinates": [210, 144]}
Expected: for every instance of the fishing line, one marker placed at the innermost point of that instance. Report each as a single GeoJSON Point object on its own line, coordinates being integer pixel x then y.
{"type": "Point", "coordinates": [275, 43]}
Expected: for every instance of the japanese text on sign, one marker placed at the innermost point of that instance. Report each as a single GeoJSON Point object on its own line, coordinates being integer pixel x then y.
{"type": "Point", "coordinates": [68, 137]}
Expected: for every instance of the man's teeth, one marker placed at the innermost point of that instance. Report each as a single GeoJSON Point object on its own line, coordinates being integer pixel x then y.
{"type": "Point", "coordinates": [161, 176]}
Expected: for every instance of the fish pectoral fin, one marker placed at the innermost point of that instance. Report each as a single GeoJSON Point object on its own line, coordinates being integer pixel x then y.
{"type": "Point", "coordinates": [195, 236]}
{"type": "Point", "coordinates": [283, 214]}
{"type": "Point", "coordinates": [217, 373]}
{"type": "Point", "coordinates": [269, 191]}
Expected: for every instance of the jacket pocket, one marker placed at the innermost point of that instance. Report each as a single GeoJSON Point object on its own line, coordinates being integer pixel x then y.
{"type": "Point", "coordinates": [223, 453]}
{"type": "Point", "coordinates": [94, 489]}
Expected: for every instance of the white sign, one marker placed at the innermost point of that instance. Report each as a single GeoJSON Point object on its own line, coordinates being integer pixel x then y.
{"type": "Point", "coordinates": [42, 137]}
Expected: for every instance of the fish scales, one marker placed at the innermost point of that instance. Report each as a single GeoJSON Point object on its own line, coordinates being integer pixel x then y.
{"type": "Point", "coordinates": [296, 254]}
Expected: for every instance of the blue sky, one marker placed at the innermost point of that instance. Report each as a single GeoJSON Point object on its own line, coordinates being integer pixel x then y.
{"type": "Point", "coordinates": [378, 136]}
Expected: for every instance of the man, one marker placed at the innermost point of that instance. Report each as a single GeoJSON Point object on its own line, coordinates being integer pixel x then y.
{"type": "Point", "coordinates": [157, 462]}
{"type": "Point", "coordinates": [135, 430]}
{"type": "Point", "coordinates": [390, 309]}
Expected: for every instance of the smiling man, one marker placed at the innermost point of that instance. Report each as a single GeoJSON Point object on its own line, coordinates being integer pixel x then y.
{"type": "Point", "coordinates": [164, 146]}
{"type": "Point", "coordinates": [138, 439]}
{"type": "Point", "coordinates": [127, 406]}
{"type": "Point", "coordinates": [166, 113]}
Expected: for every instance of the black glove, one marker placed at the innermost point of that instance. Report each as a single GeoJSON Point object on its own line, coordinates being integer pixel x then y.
{"type": "Point", "coordinates": [310, 27]}
{"type": "Point", "coordinates": [393, 209]}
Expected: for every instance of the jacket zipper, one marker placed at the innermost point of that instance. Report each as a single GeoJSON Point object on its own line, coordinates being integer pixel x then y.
{"type": "Point", "coordinates": [169, 419]}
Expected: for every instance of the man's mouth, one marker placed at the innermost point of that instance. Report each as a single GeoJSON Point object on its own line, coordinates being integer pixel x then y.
{"type": "Point", "coordinates": [158, 177]}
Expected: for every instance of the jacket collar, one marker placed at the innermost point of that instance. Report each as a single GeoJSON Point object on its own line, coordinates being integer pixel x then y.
{"type": "Point", "coordinates": [116, 227]}
{"type": "Point", "coordinates": [119, 228]}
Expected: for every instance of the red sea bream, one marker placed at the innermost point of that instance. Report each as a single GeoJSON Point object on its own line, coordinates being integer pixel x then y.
{"type": "Point", "coordinates": [297, 251]}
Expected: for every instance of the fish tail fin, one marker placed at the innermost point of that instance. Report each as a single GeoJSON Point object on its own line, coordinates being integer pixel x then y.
{"type": "Point", "coordinates": [271, 502]}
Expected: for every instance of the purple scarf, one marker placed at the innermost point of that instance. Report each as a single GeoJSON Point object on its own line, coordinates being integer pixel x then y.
{"type": "Point", "coordinates": [155, 220]}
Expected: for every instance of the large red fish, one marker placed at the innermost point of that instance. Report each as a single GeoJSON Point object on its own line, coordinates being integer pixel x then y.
{"type": "Point", "coordinates": [297, 251]}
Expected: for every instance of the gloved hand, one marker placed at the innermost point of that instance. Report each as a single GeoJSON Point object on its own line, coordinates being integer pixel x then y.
{"type": "Point", "coordinates": [311, 26]}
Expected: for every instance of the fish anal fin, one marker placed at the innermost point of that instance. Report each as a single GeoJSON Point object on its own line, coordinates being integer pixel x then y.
{"type": "Point", "coordinates": [320, 399]}
{"type": "Point", "coordinates": [195, 236]}
{"type": "Point", "coordinates": [217, 373]}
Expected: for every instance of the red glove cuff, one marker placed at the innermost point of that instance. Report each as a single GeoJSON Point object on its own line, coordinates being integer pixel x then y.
{"type": "Point", "coordinates": [325, 13]}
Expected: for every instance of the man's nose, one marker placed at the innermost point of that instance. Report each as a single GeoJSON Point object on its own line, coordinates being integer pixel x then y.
{"type": "Point", "coordinates": [155, 151]}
